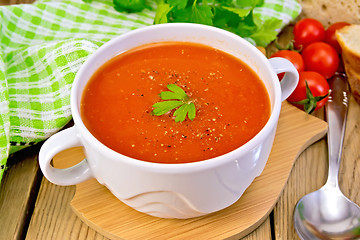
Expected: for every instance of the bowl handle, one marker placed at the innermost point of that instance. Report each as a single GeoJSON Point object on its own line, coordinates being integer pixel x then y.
{"type": "Point", "coordinates": [291, 77]}
{"type": "Point", "coordinates": [60, 141]}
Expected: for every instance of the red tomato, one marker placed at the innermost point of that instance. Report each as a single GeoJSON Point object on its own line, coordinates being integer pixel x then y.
{"type": "Point", "coordinates": [319, 88]}
{"type": "Point", "coordinates": [294, 57]}
{"type": "Point", "coordinates": [307, 31]}
{"type": "Point", "coordinates": [322, 58]}
{"type": "Point", "coordinates": [330, 36]}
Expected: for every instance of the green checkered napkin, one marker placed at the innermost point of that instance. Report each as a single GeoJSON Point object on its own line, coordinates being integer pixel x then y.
{"type": "Point", "coordinates": [42, 46]}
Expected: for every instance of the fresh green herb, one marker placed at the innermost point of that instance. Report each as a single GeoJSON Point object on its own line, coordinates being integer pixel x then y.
{"type": "Point", "coordinates": [236, 16]}
{"type": "Point", "coordinates": [162, 12]}
{"type": "Point", "coordinates": [129, 5]}
{"type": "Point", "coordinates": [176, 98]}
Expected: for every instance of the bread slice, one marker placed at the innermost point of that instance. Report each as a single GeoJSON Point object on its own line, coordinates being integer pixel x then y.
{"type": "Point", "coordinates": [348, 38]}
{"type": "Point", "coordinates": [328, 12]}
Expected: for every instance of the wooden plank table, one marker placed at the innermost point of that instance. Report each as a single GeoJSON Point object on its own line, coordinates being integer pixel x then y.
{"type": "Point", "coordinates": [32, 208]}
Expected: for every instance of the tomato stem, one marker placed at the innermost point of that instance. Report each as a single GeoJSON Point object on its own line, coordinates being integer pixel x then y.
{"type": "Point", "coordinates": [310, 101]}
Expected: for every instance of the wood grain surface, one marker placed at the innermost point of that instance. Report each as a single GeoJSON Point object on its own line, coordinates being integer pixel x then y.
{"type": "Point", "coordinates": [9, 2]}
{"type": "Point", "coordinates": [18, 192]}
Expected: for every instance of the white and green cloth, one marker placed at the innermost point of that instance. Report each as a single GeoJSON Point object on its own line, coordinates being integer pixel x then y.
{"type": "Point", "coordinates": [43, 45]}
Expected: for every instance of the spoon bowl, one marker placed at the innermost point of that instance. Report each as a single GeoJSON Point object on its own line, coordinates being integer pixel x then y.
{"type": "Point", "coordinates": [327, 213]}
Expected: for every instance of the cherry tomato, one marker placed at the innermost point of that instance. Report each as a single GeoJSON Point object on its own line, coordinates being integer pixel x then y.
{"type": "Point", "coordinates": [307, 31]}
{"type": "Point", "coordinates": [322, 58]}
{"type": "Point", "coordinates": [330, 36]}
{"type": "Point", "coordinates": [319, 90]}
{"type": "Point", "coordinates": [294, 57]}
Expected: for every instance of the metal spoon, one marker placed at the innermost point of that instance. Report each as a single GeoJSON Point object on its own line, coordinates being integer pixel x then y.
{"type": "Point", "coordinates": [327, 213]}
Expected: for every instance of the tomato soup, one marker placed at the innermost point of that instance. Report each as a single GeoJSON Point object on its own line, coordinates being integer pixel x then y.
{"type": "Point", "coordinates": [231, 102]}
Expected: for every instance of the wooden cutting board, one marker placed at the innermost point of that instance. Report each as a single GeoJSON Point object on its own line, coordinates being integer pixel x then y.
{"type": "Point", "coordinates": [103, 212]}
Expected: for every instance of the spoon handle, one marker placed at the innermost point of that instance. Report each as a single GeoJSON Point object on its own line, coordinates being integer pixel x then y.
{"type": "Point", "coordinates": [336, 113]}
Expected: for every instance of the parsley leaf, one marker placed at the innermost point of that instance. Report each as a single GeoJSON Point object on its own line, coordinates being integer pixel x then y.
{"type": "Point", "coordinates": [233, 15]}
{"type": "Point", "coordinates": [267, 32]}
{"type": "Point", "coordinates": [201, 14]}
{"type": "Point", "coordinates": [180, 113]}
{"type": "Point", "coordinates": [177, 99]}
{"type": "Point", "coordinates": [176, 93]}
{"type": "Point", "coordinates": [180, 4]}
{"type": "Point", "coordinates": [164, 107]}
{"type": "Point", "coordinates": [129, 5]}
{"type": "Point", "coordinates": [241, 12]}
{"type": "Point", "coordinates": [161, 13]}
{"type": "Point", "coordinates": [236, 16]}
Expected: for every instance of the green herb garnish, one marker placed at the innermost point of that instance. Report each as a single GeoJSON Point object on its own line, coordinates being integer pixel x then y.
{"type": "Point", "coordinates": [176, 98]}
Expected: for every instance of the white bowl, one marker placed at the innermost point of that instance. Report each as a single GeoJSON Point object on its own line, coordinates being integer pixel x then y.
{"type": "Point", "coordinates": [172, 190]}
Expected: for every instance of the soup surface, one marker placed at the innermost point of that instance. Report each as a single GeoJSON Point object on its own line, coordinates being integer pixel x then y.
{"type": "Point", "coordinates": [232, 104]}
